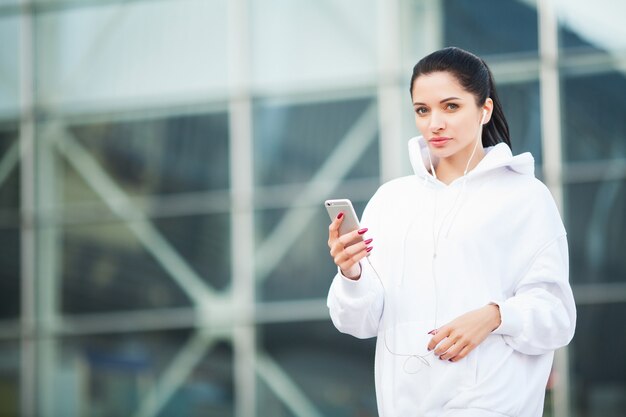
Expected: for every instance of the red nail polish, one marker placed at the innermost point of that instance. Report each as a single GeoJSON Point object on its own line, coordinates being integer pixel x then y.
{"type": "Point", "coordinates": [368, 241]}
{"type": "Point", "coordinates": [362, 231]}
{"type": "Point", "coordinates": [433, 331]}
{"type": "Point", "coordinates": [369, 249]}
{"type": "Point", "coordinates": [340, 215]}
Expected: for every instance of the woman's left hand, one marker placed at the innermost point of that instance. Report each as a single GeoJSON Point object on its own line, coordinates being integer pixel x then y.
{"type": "Point", "coordinates": [457, 339]}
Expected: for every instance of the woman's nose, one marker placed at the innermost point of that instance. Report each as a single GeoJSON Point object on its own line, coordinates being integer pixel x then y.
{"type": "Point", "coordinates": [436, 122]}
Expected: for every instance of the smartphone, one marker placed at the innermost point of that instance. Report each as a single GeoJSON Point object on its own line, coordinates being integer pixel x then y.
{"type": "Point", "coordinates": [350, 220]}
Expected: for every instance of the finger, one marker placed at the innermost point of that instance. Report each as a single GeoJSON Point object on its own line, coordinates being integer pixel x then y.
{"type": "Point", "coordinates": [464, 352]}
{"type": "Point", "coordinates": [352, 253]}
{"type": "Point", "coordinates": [333, 228]}
{"type": "Point", "coordinates": [452, 351]}
{"type": "Point", "coordinates": [351, 261]}
{"type": "Point", "coordinates": [440, 334]}
{"type": "Point", "coordinates": [353, 237]}
{"type": "Point", "coordinates": [444, 346]}
{"type": "Point", "coordinates": [347, 241]}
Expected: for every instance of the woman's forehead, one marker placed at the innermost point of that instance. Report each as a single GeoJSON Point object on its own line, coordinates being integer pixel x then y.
{"type": "Point", "coordinates": [437, 85]}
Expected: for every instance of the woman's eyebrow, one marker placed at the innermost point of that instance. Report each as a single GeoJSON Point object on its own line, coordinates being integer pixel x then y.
{"type": "Point", "coordinates": [442, 101]}
{"type": "Point", "coordinates": [449, 98]}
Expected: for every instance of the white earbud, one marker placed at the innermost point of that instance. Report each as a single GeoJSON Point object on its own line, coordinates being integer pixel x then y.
{"type": "Point", "coordinates": [482, 121]}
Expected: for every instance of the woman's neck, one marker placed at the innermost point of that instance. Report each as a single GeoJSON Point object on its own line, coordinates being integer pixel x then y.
{"type": "Point", "coordinates": [453, 167]}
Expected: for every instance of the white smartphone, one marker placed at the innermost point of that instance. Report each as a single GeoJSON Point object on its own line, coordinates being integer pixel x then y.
{"type": "Point", "coordinates": [350, 221]}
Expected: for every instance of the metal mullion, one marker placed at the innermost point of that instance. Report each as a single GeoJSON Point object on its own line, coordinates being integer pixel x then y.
{"type": "Point", "coordinates": [28, 252]}
{"type": "Point", "coordinates": [389, 95]}
{"type": "Point", "coordinates": [552, 156]}
{"type": "Point", "coordinates": [242, 218]}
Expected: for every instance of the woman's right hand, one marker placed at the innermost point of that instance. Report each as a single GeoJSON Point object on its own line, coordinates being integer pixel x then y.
{"type": "Point", "coordinates": [347, 250]}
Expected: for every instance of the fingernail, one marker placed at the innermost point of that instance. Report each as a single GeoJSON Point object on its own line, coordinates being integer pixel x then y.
{"type": "Point", "coordinates": [369, 249]}
{"type": "Point", "coordinates": [450, 360]}
{"type": "Point", "coordinates": [433, 331]}
{"type": "Point", "coordinates": [362, 231]}
{"type": "Point", "coordinates": [368, 241]}
{"type": "Point", "coordinates": [340, 215]}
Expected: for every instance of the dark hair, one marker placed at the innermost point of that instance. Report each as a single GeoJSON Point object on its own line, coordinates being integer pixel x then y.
{"type": "Point", "coordinates": [475, 77]}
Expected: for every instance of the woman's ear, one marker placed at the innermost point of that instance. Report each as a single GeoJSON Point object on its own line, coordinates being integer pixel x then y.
{"type": "Point", "coordinates": [487, 111]}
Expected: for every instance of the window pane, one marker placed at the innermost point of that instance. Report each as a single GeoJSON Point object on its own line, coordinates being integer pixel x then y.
{"type": "Point", "coordinates": [487, 27]}
{"type": "Point", "coordinates": [596, 228]}
{"type": "Point", "coordinates": [10, 269]}
{"type": "Point", "coordinates": [598, 366]}
{"type": "Point", "coordinates": [295, 42]}
{"type": "Point", "coordinates": [9, 66]}
{"type": "Point", "coordinates": [522, 109]}
{"type": "Point", "coordinates": [9, 378]}
{"type": "Point", "coordinates": [9, 175]}
{"type": "Point", "coordinates": [292, 141]}
{"type": "Point", "coordinates": [301, 267]}
{"type": "Point", "coordinates": [173, 155]}
{"type": "Point", "coordinates": [10, 236]}
{"type": "Point", "coordinates": [591, 29]}
{"type": "Point", "coordinates": [594, 126]}
{"type": "Point", "coordinates": [335, 371]}
{"type": "Point", "coordinates": [106, 268]}
{"type": "Point", "coordinates": [121, 52]}
{"type": "Point", "coordinates": [111, 375]}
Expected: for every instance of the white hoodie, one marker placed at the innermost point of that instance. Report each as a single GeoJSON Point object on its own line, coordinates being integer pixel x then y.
{"type": "Point", "coordinates": [498, 238]}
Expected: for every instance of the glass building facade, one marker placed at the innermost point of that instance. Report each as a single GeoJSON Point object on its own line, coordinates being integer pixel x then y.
{"type": "Point", "coordinates": [162, 169]}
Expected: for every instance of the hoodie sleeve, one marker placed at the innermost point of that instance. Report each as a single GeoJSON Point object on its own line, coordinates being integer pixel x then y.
{"type": "Point", "coordinates": [356, 305]}
{"type": "Point", "coordinates": [541, 315]}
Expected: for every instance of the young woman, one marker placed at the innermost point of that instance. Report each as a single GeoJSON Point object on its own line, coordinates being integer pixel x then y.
{"type": "Point", "coordinates": [460, 270]}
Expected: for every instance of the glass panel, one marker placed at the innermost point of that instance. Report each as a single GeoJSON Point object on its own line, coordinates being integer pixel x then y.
{"type": "Point", "coordinates": [522, 106]}
{"type": "Point", "coordinates": [304, 270]}
{"type": "Point", "coordinates": [10, 269]}
{"type": "Point", "coordinates": [9, 66]}
{"type": "Point", "coordinates": [598, 377]}
{"type": "Point", "coordinates": [591, 29]}
{"type": "Point", "coordinates": [596, 227]}
{"type": "Point", "coordinates": [173, 155]}
{"type": "Point", "coordinates": [9, 175]}
{"type": "Point", "coordinates": [204, 242]}
{"type": "Point", "coordinates": [334, 370]}
{"type": "Point", "coordinates": [112, 375]}
{"type": "Point", "coordinates": [9, 378]}
{"type": "Point", "coordinates": [487, 27]}
{"type": "Point", "coordinates": [10, 238]}
{"type": "Point", "coordinates": [137, 51]}
{"type": "Point", "coordinates": [104, 267]}
{"type": "Point", "coordinates": [300, 42]}
{"type": "Point", "coordinates": [292, 141]}
{"type": "Point", "coordinates": [594, 127]}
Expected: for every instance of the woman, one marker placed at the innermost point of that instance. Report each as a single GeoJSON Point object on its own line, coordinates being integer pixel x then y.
{"type": "Point", "coordinates": [467, 286]}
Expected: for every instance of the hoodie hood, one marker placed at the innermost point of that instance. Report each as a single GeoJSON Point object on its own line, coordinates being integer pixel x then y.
{"type": "Point", "coordinates": [497, 156]}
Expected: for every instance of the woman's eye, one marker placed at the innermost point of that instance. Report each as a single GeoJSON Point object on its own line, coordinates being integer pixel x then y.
{"type": "Point", "coordinates": [421, 110]}
{"type": "Point", "coordinates": [452, 106]}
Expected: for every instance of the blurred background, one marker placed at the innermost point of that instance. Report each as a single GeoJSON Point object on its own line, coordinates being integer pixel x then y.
{"type": "Point", "coordinates": [163, 165]}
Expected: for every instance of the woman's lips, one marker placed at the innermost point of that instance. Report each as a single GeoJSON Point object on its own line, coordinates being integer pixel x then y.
{"type": "Point", "coordinates": [438, 142]}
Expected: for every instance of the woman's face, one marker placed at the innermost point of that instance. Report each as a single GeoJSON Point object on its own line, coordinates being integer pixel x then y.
{"type": "Point", "coordinates": [447, 115]}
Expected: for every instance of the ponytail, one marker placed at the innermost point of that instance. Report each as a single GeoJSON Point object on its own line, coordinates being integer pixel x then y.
{"type": "Point", "coordinates": [497, 130]}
